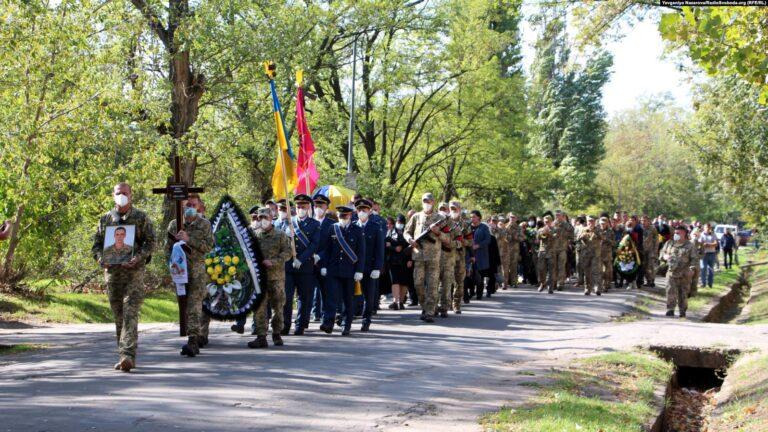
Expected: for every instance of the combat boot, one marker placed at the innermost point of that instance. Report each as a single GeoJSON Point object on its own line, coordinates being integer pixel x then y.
{"type": "Point", "coordinates": [366, 326]}
{"type": "Point", "coordinates": [202, 341]}
{"type": "Point", "coordinates": [327, 328]}
{"type": "Point", "coordinates": [190, 349]}
{"type": "Point", "coordinates": [670, 313]}
{"type": "Point", "coordinates": [443, 313]}
{"type": "Point", "coordinates": [259, 342]}
{"type": "Point", "coordinates": [238, 328]}
{"type": "Point", "coordinates": [276, 339]}
{"type": "Point", "coordinates": [126, 364]}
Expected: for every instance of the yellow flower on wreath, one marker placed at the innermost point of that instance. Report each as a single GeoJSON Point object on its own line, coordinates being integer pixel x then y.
{"type": "Point", "coordinates": [235, 260]}
{"type": "Point", "coordinates": [232, 271]}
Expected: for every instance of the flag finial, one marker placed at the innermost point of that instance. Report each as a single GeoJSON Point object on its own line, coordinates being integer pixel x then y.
{"type": "Point", "coordinates": [299, 78]}
{"type": "Point", "coordinates": [270, 69]}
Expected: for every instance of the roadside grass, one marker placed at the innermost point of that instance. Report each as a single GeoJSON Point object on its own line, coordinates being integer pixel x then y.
{"type": "Point", "coordinates": [610, 392]}
{"type": "Point", "coordinates": [745, 407]}
{"type": "Point", "coordinates": [20, 348]}
{"type": "Point", "coordinates": [640, 309]}
{"type": "Point", "coordinates": [59, 306]}
{"type": "Point", "coordinates": [725, 278]}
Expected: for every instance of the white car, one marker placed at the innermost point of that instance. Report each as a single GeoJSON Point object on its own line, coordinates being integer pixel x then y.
{"type": "Point", "coordinates": [720, 230]}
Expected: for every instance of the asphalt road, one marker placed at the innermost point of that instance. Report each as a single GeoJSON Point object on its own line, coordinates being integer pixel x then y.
{"type": "Point", "coordinates": [402, 375]}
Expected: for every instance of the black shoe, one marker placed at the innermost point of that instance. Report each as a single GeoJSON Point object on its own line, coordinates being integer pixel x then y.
{"type": "Point", "coordinates": [316, 319]}
{"type": "Point", "coordinates": [443, 314]}
{"type": "Point", "coordinates": [237, 328]}
{"type": "Point", "coordinates": [550, 291]}
{"type": "Point", "coordinates": [466, 301]}
{"type": "Point", "coordinates": [299, 331]}
{"type": "Point", "coordinates": [429, 319]}
{"type": "Point", "coordinates": [202, 341]}
{"type": "Point", "coordinates": [402, 306]}
{"type": "Point", "coordinates": [682, 314]}
{"type": "Point", "coordinates": [458, 312]}
{"type": "Point", "coordinates": [346, 332]}
{"type": "Point", "coordinates": [598, 293]}
{"type": "Point", "coordinates": [670, 313]}
{"type": "Point", "coordinates": [423, 316]}
{"type": "Point", "coordinates": [190, 349]}
{"type": "Point", "coordinates": [365, 327]}
{"type": "Point", "coordinates": [393, 306]}
{"type": "Point", "coordinates": [327, 328]}
{"type": "Point", "coordinates": [306, 326]}
{"type": "Point", "coordinates": [413, 303]}
{"type": "Point", "coordinates": [253, 332]}
{"type": "Point", "coordinates": [259, 342]}
{"type": "Point", "coordinates": [276, 339]}
{"type": "Point", "coordinates": [338, 320]}
{"type": "Point", "coordinates": [285, 331]}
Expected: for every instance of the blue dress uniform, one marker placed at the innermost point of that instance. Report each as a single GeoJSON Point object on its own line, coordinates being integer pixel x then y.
{"type": "Point", "coordinates": [340, 267]}
{"type": "Point", "coordinates": [300, 280]}
{"type": "Point", "coordinates": [326, 226]}
{"type": "Point", "coordinates": [373, 261]}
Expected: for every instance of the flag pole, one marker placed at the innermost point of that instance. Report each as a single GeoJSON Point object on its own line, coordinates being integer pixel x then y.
{"type": "Point", "coordinates": [270, 69]}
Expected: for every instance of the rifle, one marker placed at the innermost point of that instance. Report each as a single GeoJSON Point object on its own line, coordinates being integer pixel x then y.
{"type": "Point", "coordinates": [426, 235]}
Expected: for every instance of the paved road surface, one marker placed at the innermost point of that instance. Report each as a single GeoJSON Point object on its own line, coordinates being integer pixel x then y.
{"type": "Point", "coordinates": [403, 375]}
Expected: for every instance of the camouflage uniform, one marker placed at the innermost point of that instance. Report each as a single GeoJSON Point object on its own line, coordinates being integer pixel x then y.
{"type": "Point", "coordinates": [501, 234]}
{"type": "Point", "coordinates": [650, 252]}
{"type": "Point", "coordinates": [426, 259]}
{"type": "Point", "coordinates": [559, 253]}
{"type": "Point", "coordinates": [451, 235]}
{"type": "Point", "coordinates": [698, 250]}
{"type": "Point", "coordinates": [590, 240]}
{"type": "Point", "coordinates": [681, 259]}
{"type": "Point", "coordinates": [546, 264]}
{"type": "Point", "coordinates": [125, 287]}
{"type": "Point", "coordinates": [607, 242]}
{"type": "Point", "coordinates": [200, 243]}
{"type": "Point", "coordinates": [276, 247]}
{"type": "Point", "coordinates": [464, 241]}
{"type": "Point", "coordinates": [578, 247]}
{"type": "Point", "coordinates": [514, 237]}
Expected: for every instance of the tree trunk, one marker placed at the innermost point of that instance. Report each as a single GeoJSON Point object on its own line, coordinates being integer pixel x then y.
{"type": "Point", "coordinates": [13, 242]}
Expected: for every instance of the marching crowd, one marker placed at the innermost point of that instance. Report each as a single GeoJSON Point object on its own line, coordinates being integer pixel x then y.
{"type": "Point", "coordinates": [338, 262]}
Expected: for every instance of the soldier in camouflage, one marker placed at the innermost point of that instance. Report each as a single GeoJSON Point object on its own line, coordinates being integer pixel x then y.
{"type": "Point", "coordinates": [559, 252]}
{"type": "Point", "coordinates": [448, 244]}
{"type": "Point", "coordinates": [580, 224]}
{"type": "Point", "coordinates": [514, 238]}
{"type": "Point", "coordinates": [590, 239]}
{"type": "Point", "coordinates": [607, 242]}
{"type": "Point", "coordinates": [502, 240]}
{"type": "Point", "coordinates": [125, 282]}
{"type": "Point", "coordinates": [463, 241]}
{"type": "Point", "coordinates": [198, 237]}
{"type": "Point", "coordinates": [426, 254]}
{"type": "Point", "coordinates": [681, 257]}
{"type": "Point", "coordinates": [276, 247]}
{"type": "Point", "coordinates": [650, 250]}
{"type": "Point", "coordinates": [547, 237]}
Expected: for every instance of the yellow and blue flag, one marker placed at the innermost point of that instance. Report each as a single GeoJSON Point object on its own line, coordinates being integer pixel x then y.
{"type": "Point", "coordinates": [284, 177]}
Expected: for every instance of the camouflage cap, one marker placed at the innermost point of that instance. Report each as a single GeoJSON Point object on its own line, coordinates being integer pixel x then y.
{"type": "Point", "coordinates": [264, 212]}
{"type": "Point", "coordinates": [253, 210]}
{"type": "Point", "coordinates": [427, 197]}
{"type": "Point", "coordinates": [547, 217]}
{"type": "Point", "coordinates": [454, 204]}
{"type": "Point", "coordinates": [590, 218]}
{"type": "Point", "coordinates": [443, 205]}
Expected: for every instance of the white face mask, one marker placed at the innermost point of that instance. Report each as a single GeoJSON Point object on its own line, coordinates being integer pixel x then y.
{"type": "Point", "coordinates": [455, 214]}
{"type": "Point", "coordinates": [362, 215]}
{"type": "Point", "coordinates": [302, 213]}
{"type": "Point", "coordinates": [443, 213]}
{"type": "Point", "coordinates": [345, 222]}
{"type": "Point", "coordinates": [264, 223]}
{"type": "Point", "coordinates": [282, 215]}
{"type": "Point", "coordinates": [426, 206]}
{"type": "Point", "coordinates": [676, 237]}
{"type": "Point", "coordinates": [399, 226]}
{"type": "Point", "coordinates": [531, 223]}
{"type": "Point", "coordinates": [121, 200]}
{"type": "Point", "coordinates": [319, 212]}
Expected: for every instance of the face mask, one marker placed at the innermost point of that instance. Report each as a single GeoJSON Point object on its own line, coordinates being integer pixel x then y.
{"type": "Point", "coordinates": [319, 212]}
{"type": "Point", "coordinates": [344, 222]}
{"type": "Point", "coordinates": [264, 223]}
{"type": "Point", "coordinates": [531, 223]}
{"type": "Point", "coordinates": [121, 200]}
{"type": "Point", "coordinates": [302, 213]}
{"type": "Point", "coordinates": [282, 215]}
{"type": "Point", "coordinates": [426, 206]}
{"type": "Point", "coordinates": [374, 212]}
{"type": "Point", "coordinates": [676, 237]}
{"type": "Point", "coordinates": [190, 212]}
{"type": "Point", "coordinates": [362, 215]}
{"type": "Point", "coordinates": [443, 213]}
{"type": "Point", "coordinates": [399, 226]}
{"type": "Point", "coordinates": [455, 214]}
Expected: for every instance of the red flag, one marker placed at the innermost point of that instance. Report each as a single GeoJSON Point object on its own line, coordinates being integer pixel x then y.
{"type": "Point", "coordinates": [306, 170]}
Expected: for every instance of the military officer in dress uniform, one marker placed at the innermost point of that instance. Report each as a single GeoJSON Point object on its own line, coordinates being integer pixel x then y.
{"type": "Point", "coordinates": [342, 264]}
{"type": "Point", "coordinates": [299, 271]}
{"type": "Point", "coordinates": [373, 259]}
{"type": "Point", "coordinates": [321, 209]}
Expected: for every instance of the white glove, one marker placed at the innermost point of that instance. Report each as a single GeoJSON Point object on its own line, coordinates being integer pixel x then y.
{"type": "Point", "coordinates": [316, 257]}
{"type": "Point", "coordinates": [296, 263]}
{"type": "Point", "coordinates": [375, 274]}
{"type": "Point", "coordinates": [358, 277]}
{"type": "Point", "coordinates": [323, 271]}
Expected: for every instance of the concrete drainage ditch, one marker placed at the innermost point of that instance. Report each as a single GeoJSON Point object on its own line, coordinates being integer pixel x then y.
{"type": "Point", "coordinates": [690, 394]}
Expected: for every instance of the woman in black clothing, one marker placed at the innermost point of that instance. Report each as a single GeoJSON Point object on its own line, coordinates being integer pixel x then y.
{"type": "Point", "coordinates": [397, 261]}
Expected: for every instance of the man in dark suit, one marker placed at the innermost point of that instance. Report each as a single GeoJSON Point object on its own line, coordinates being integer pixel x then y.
{"type": "Point", "coordinates": [321, 209]}
{"type": "Point", "coordinates": [342, 264]}
{"type": "Point", "coordinates": [299, 270]}
{"type": "Point", "coordinates": [373, 260]}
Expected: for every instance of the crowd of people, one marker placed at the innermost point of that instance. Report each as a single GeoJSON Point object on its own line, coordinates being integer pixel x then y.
{"type": "Point", "coordinates": [339, 262]}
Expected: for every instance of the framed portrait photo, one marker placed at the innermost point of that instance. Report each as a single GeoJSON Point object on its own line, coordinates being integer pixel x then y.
{"type": "Point", "coordinates": [118, 244]}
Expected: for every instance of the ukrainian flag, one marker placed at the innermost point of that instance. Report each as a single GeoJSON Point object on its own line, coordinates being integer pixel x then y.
{"type": "Point", "coordinates": [284, 177]}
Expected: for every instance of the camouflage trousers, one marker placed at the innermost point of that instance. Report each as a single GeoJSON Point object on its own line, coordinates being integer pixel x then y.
{"type": "Point", "coordinates": [591, 267]}
{"type": "Point", "coordinates": [545, 266]}
{"type": "Point", "coordinates": [426, 278]}
{"type": "Point", "coordinates": [677, 292]}
{"type": "Point", "coordinates": [125, 289]}
{"type": "Point", "coordinates": [459, 273]}
{"type": "Point", "coordinates": [196, 293]}
{"type": "Point", "coordinates": [694, 282]}
{"type": "Point", "coordinates": [579, 267]}
{"type": "Point", "coordinates": [447, 279]}
{"type": "Point", "coordinates": [542, 266]}
{"type": "Point", "coordinates": [504, 267]}
{"type": "Point", "coordinates": [513, 260]}
{"type": "Point", "coordinates": [559, 259]}
{"type": "Point", "coordinates": [606, 261]}
{"type": "Point", "coordinates": [649, 266]}
{"type": "Point", "coordinates": [275, 300]}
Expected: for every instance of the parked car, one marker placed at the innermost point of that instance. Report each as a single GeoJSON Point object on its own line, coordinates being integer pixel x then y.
{"type": "Point", "coordinates": [744, 236]}
{"type": "Point", "coordinates": [720, 230]}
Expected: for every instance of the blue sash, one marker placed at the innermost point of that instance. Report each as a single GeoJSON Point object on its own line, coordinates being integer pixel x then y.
{"type": "Point", "coordinates": [300, 235]}
{"type": "Point", "coordinates": [343, 243]}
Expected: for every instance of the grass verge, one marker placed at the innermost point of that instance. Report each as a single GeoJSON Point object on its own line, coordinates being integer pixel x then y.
{"type": "Point", "coordinates": [724, 279]}
{"type": "Point", "coordinates": [59, 306]}
{"type": "Point", "coordinates": [745, 405]}
{"type": "Point", "coordinates": [611, 393]}
{"type": "Point", "coordinates": [16, 349]}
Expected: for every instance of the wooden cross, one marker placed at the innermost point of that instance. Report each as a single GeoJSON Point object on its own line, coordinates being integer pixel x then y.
{"type": "Point", "coordinates": [178, 190]}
